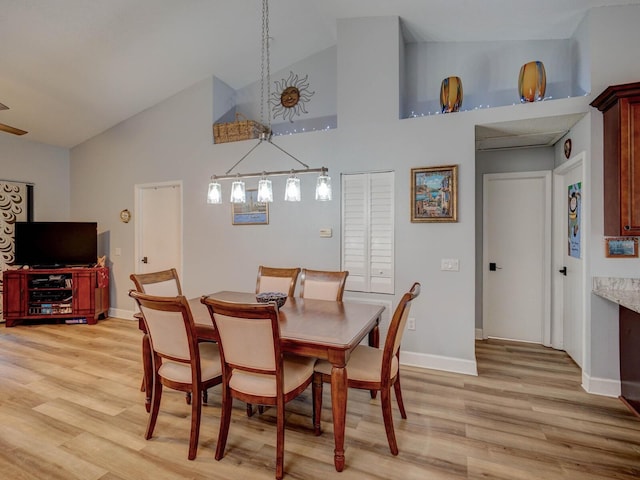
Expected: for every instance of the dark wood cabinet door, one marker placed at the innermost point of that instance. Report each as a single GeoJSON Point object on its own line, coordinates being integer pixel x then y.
{"type": "Point", "coordinates": [630, 358]}
{"type": "Point", "coordinates": [630, 166]}
{"type": "Point", "coordinates": [13, 295]}
{"type": "Point", "coordinates": [620, 107]}
{"type": "Point", "coordinates": [84, 284]}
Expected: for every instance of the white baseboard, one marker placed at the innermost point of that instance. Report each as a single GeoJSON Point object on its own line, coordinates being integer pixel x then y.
{"type": "Point", "coordinates": [479, 334]}
{"type": "Point", "coordinates": [437, 362]}
{"type": "Point", "coordinates": [601, 386]}
{"type": "Point", "coordinates": [120, 313]}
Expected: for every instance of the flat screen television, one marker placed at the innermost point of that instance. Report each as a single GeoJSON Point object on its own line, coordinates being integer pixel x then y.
{"type": "Point", "coordinates": [56, 244]}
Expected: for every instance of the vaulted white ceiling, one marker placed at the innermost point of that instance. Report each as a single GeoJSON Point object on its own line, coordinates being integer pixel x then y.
{"type": "Point", "coordinates": [70, 69]}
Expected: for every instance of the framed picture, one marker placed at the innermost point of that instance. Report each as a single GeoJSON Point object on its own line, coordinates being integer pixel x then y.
{"type": "Point", "coordinates": [434, 194]}
{"type": "Point", "coordinates": [251, 212]}
{"type": "Point", "coordinates": [621, 247]}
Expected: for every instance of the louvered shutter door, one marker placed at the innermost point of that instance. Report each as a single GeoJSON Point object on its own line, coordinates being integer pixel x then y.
{"type": "Point", "coordinates": [355, 251]}
{"type": "Point", "coordinates": [367, 231]}
{"type": "Point", "coordinates": [381, 232]}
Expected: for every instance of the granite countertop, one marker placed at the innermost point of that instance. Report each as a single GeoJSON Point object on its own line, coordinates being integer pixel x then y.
{"type": "Point", "coordinates": [623, 291]}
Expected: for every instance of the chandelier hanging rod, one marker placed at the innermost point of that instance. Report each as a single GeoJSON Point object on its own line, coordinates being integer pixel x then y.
{"type": "Point", "coordinates": [270, 174]}
{"type": "Point", "coordinates": [264, 137]}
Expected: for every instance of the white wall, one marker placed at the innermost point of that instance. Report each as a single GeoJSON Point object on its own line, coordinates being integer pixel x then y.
{"type": "Point", "coordinates": [46, 167]}
{"type": "Point", "coordinates": [320, 71]}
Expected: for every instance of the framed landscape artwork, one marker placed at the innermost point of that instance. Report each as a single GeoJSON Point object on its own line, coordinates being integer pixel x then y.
{"type": "Point", "coordinates": [621, 247]}
{"type": "Point", "coordinates": [434, 194]}
{"type": "Point", "coordinates": [251, 212]}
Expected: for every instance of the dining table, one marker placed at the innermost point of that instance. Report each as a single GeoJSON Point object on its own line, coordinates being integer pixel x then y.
{"type": "Point", "coordinates": [322, 329]}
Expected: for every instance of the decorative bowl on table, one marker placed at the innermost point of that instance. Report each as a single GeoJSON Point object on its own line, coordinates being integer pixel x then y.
{"type": "Point", "coordinates": [266, 297]}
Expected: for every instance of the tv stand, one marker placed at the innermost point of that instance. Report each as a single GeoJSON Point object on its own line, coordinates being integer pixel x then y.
{"type": "Point", "coordinates": [69, 295]}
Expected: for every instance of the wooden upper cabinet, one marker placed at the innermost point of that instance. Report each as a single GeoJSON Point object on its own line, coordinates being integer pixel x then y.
{"type": "Point", "coordinates": [620, 107]}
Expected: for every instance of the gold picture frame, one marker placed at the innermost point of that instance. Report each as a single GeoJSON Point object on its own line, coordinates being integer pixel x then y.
{"type": "Point", "coordinates": [434, 194]}
{"type": "Point", "coordinates": [251, 212]}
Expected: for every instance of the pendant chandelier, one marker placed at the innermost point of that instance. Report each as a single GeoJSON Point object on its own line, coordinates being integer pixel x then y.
{"type": "Point", "coordinates": [265, 191]}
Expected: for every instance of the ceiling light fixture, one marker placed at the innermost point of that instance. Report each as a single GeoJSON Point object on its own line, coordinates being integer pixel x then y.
{"type": "Point", "coordinates": [265, 192]}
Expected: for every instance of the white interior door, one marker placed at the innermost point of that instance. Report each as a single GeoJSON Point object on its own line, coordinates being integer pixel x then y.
{"type": "Point", "coordinates": [517, 256]}
{"type": "Point", "coordinates": [570, 218]}
{"type": "Point", "coordinates": [159, 227]}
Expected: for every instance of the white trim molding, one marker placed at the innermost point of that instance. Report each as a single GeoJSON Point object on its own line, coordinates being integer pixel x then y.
{"type": "Point", "coordinates": [601, 386]}
{"type": "Point", "coordinates": [438, 362]}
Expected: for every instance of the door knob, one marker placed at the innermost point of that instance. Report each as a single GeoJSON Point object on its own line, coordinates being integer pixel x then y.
{"type": "Point", "coordinates": [563, 271]}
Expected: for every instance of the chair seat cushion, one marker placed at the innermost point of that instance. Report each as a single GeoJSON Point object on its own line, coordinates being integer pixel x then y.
{"type": "Point", "coordinates": [210, 365]}
{"type": "Point", "coordinates": [297, 370]}
{"type": "Point", "coordinates": [365, 365]}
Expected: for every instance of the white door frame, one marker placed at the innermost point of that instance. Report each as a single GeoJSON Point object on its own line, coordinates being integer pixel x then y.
{"type": "Point", "coordinates": [138, 189]}
{"type": "Point", "coordinates": [546, 175]}
{"type": "Point", "coordinates": [560, 245]}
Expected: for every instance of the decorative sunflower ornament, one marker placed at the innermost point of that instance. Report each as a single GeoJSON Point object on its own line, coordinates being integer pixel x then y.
{"type": "Point", "coordinates": [290, 96]}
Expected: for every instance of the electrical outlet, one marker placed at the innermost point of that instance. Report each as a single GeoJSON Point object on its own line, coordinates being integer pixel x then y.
{"type": "Point", "coordinates": [411, 323]}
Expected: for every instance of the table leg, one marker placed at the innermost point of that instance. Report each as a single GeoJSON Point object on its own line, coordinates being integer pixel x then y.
{"type": "Point", "coordinates": [339, 407]}
{"type": "Point", "coordinates": [374, 337]}
{"type": "Point", "coordinates": [374, 341]}
{"type": "Point", "coordinates": [147, 365]}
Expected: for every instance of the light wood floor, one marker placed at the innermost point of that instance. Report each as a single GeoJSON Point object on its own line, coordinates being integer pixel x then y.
{"type": "Point", "coordinates": [70, 408]}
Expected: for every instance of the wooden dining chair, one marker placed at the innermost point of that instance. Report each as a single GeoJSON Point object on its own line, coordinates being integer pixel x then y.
{"type": "Point", "coordinates": [272, 279]}
{"type": "Point", "coordinates": [179, 362]}
{"type": "Point", "coordinates": [323, 284]}
{"type": "Point", "coordinates": [275, 279]}
{"type": "Point", "coordinates": [164, 283]}
{"type": "Point", "coordinates": [254, 369]}
{"type": "Point", "coordinates": [370, 368]}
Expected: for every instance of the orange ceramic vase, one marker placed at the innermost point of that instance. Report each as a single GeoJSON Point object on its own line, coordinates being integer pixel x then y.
{"type": "Point", "coordinates": [532, 82]}
{"type": "Point", "coordinates": [451, 94]}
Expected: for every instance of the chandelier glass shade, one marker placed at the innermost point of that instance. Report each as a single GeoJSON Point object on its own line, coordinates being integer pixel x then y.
{"type": "Point", "coordinates": [214, 196]}
{"type": "Point", "coordinates": [292, 189]}
{"type": "Point", "coordinates": [323, 187]}
{"type": "Point", "coordinates": [238, 192]}
{"type": "Point", "coordinates": [265, 191]}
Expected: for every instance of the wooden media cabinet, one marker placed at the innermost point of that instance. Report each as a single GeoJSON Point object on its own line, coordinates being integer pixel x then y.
{"type": "Point", "coordinates": [72, 295]}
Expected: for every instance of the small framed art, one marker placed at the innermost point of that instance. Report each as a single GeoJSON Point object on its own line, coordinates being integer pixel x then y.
{"type": "Point", "coordinates": [251, 212]}
{"type": "Point", "coordinates": [434, 194]}
{"type": "Point", "coordinates": [621, 247]}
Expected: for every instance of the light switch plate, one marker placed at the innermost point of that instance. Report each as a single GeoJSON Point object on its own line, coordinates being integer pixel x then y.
{"type": "Point", "coordinates": [450, 264]}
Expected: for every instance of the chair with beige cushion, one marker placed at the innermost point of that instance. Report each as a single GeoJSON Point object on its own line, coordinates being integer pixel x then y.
{"type": "Point", "coordinates": [163, 283]}
{"type": "Point", "coordinates": [179, 362]}
{"type": "Point", "coordinates": [272, 279]}
{"type": "Point", "coordinates": [253, 367]}
{"type": "Point", "coordinates": [322, 284]}
{"type": "Point", "coordinates": [370, 368]}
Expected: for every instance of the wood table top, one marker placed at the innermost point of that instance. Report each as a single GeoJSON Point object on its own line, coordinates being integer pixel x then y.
{"type": "Point", "coordinates": [337, 325]}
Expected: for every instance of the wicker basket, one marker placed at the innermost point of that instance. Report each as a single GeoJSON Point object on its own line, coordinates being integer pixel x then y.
{"type": "Point", "coordinates": [241, 129]}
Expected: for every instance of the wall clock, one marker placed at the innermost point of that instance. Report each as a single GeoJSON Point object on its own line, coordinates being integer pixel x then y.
{"type": "Point", "coordinates": [125, 215]}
